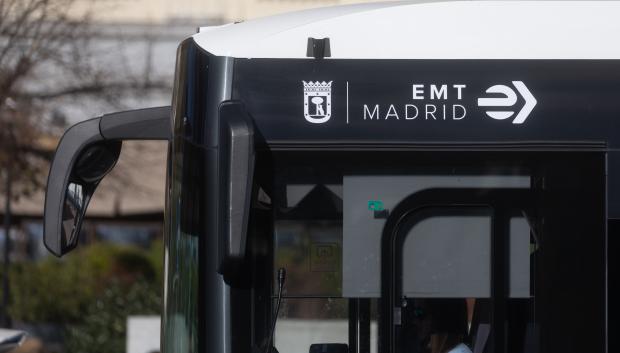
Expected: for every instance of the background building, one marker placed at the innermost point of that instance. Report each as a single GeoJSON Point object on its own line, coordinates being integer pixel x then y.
{"type": "Point", "coordinates": [135, 41]}
{"type": "Point", "coordinates": [198, 11]}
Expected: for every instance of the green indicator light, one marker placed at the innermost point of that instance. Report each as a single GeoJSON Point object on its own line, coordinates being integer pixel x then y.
{"type": "Point", "coordinates": [375, 205]}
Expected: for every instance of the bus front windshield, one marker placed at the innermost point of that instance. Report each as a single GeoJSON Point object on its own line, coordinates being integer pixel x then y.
{"type": "Point", "coordinates": [433, 255]}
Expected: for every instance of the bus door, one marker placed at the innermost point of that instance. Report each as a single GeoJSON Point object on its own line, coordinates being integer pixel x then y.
{"type": "Point", "coordinates": [448, 255]}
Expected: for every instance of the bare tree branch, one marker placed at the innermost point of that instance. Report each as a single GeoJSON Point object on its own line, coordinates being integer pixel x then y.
{"type": "Point", "coordinates": [95, 88]}
{"type": "Point", "coordinates": [38, 37]}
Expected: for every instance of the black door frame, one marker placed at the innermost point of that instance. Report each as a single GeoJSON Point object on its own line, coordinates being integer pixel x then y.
{"type": "Point", "coordinates": [503, 203]}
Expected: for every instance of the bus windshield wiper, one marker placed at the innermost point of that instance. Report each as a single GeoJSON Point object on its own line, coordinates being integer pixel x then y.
{"type": "Point", "coordinates": [281, 279]}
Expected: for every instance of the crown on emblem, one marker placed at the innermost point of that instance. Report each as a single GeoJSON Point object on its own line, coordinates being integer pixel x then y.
{"type": "Point", "coordinates": [317, 86]}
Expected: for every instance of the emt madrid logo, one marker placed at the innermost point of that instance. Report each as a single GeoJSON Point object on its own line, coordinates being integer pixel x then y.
{"type": "Point", "coordinates": [317, 101]}
{"type": "Point", "coordinates": [508, 99]}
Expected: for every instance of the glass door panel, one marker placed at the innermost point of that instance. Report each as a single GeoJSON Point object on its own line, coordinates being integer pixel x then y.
{"type": "Point", "coordinates": [456, 259]}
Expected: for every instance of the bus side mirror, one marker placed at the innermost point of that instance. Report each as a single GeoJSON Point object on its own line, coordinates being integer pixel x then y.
{"type": "Point", "coordinates": [236, 165]}
{"type": "Point", "coordinates": [86, 153]}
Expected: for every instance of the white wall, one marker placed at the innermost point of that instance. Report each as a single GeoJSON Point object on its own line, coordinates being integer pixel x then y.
{"type": "Point", "coordinates": [292, 336]}
{"type": "Point", "coordinates": [143, 334]}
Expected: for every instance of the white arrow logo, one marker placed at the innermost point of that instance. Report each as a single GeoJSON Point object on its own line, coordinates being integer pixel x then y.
{"type": "Point", "coordinates": [509, 100]}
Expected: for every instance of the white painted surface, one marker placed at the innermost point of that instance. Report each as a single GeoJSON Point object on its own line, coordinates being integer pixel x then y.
{"type": "Point", "coordinates": [431, 30]}
{"type": "Point", "coordinates": [143, 334]}
{"type": "Point", "coordinates": [10, 339]}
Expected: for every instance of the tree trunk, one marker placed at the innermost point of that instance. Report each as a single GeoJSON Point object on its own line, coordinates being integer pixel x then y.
{"type": "Point", "coordinates": [6, 319]}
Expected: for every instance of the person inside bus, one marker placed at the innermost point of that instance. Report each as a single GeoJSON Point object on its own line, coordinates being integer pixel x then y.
{"type": "Point", "coordinates": [442, 324]}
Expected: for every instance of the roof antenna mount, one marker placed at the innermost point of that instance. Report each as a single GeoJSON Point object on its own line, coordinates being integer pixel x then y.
{"type": "Point", "coordinates": [318, 48]}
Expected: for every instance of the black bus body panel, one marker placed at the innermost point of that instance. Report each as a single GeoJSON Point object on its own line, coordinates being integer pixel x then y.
{"type": "Point", "coordinates": [439, 104]}
{"type": "Point", "coordinates": [202, 83]}
{"type": "Point", "coordinates": [567, 105]}
{"type": "Point", "coordinates": [574, 102]}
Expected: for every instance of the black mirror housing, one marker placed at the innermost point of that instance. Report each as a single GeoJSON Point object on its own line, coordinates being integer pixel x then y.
{"type": "Point", "coordinates": [74, 141]}
{"type": "Point", "coordinates": [86, 153]}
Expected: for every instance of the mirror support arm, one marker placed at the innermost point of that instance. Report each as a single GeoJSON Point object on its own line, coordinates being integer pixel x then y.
{"type": "Point", "coordinates": [140, 124]}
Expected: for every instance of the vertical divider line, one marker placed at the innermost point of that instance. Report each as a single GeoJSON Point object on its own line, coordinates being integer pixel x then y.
{"type": "Point", "coordinates": [347, 102]}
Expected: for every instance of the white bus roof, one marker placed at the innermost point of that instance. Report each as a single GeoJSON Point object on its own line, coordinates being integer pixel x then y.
{"type": "Point", "coordinates": [430, 30]}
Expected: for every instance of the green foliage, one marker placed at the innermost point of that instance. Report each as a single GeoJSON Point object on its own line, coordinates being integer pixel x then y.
{"type": "Point", "coordinates": [103, 328]}
{"type": "Point", "coordinates": [156, 258]}
{"type": "Point", "coordinates": [90, 293]}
